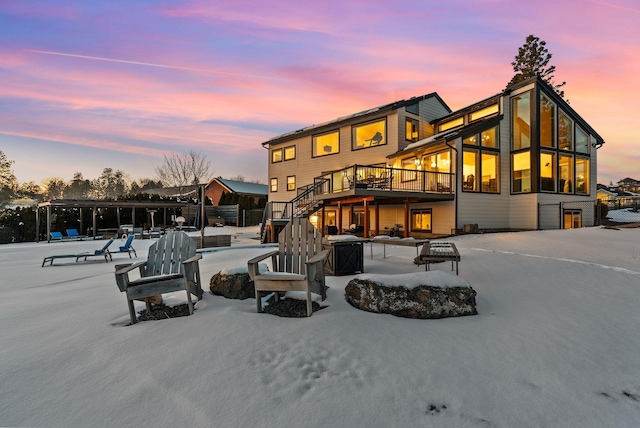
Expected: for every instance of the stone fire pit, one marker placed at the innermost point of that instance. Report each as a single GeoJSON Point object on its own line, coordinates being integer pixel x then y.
{"type": "Point", "coordinates": [432, 294]}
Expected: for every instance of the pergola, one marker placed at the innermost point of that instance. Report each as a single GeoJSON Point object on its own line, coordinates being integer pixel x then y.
{"type": "Point", "coordinates": [94, 205]}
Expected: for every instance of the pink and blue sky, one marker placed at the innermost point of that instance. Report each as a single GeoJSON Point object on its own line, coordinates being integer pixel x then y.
{"type": "Point", "coordinates": [87, 85]}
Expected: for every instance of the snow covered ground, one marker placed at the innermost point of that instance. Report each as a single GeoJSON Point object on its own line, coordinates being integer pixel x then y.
{"type": "Point", "coordinates": [556, 343]}
{"type": "Point", "coordinates": [625, 215]}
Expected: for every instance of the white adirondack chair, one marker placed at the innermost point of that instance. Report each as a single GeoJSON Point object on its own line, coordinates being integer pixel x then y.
{"type": "Point", "coordinates": [172, 265]}
{"type": "Point", "coordinates": [298, 263]}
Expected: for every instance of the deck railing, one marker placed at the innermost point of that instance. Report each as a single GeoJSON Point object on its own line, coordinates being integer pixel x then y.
{"type": "Point", "coordinates": [385, 178]}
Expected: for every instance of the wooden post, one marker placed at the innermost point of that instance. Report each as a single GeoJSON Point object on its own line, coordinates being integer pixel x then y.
{"type": "Point", "coordinates": [95, 220]}
{"type": "Point", "coordinates": [377, 230]}
{"type": "Point", "coordinates": [48, 223]}
{"type": "Point", "coordinates": [37, 223]}
{"type": "Point", "coordinates": [81, 223]}
{"type": "Point", "coordinates": [406, 219]}
{"type": "Point", "coordinates": [339, 219]}
{"type": "Point", "coordinates": [322, 220]}
{"type": "Point", "coordinates": [366, 219]}
{"type": "Point", "coordinates": [202, 225]}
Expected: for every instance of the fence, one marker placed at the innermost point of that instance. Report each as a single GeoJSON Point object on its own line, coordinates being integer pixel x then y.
{"type": "Point", "coordinates": [569, 214]}
{"type": "Point", "coordinates": [233, 215]}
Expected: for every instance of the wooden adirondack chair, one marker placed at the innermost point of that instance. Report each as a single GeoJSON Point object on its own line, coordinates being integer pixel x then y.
{"type": "Point", "coordinates": [298, 263]}
{"type": "Point", "coordinates": [172, 265]}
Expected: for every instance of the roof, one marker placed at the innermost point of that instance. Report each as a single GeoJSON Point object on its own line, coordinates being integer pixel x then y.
{"type": "Point", "coordinates": [96, 203]}
{"type": "Point", "coordinates": [426, 141]}
{"type": "Point", "coordinates": [369, 112]}
{"type": "Point", "coordinates": [189, 190]}
{"type": "Point", "coordinates": [242, 186]}
{"type": "Point", "coordinates": [628, 180]}
{"type": "Point", "coordinates": [475, 106]}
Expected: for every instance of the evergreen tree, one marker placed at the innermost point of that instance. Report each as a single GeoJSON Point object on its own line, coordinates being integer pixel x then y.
{"type": "Point", "coordinates": [8, 181]}
{"type": "Point", "coordinates": [532, 60]}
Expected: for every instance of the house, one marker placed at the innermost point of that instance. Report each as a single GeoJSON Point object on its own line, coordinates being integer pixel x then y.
{"type": "Point", "coordinates": [522, 159]}
{"type": "Point", "coordinates": [614, 197]}
{"type": "Point", "coordinates": [629, 185]}
{"type": "Point", "coordinates": [219, 186]}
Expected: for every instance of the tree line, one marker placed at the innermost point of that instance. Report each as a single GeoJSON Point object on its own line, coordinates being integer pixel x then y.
{"type": "Point", "coordinates": [177, 171]}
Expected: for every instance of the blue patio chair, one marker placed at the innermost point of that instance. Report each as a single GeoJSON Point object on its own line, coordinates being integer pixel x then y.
{"type": "Point", "coordinates": [127, 248]}
{"type": "Point", "coordinates": [56, 236]}
{"type": "Point", "coordinates": [73, 234]}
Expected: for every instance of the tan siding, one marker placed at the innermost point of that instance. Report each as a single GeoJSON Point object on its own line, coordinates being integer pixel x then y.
{"type": "Point", "coordinates": [306, 168]}
{"type": "Point", "coordinates": [524, 212]}
{"type": "Point", "coordinates": [488, 211]}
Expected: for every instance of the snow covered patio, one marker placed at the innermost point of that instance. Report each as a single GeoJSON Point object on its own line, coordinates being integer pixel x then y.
{"type": "Point", "coordinates": [556, 343]}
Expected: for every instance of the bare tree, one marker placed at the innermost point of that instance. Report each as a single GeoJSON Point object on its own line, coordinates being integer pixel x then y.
{"type": "Point", "coordinates": [180, 170]}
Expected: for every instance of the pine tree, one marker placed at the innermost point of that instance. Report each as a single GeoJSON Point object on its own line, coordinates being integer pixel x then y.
{"type": "Point", "coordinates": [532, 60]}
{"type": "Point", "coordinates": [8, 181]}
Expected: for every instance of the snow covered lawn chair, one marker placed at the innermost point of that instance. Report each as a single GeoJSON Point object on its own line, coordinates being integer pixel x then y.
{"type": "Point", "coordinates": [172, 265]}
{"type": "Point", "coordinates": [298, 264]}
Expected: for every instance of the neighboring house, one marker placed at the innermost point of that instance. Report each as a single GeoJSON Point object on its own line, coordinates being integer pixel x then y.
{"type": "Point", "coordinates": [629, 185]}
{"type": "Point", "coordinates": [416, 164]}
{"type": "Point", "coordinates": [219, 186]}
{"type": "Point", "coordinates": [615, 197]}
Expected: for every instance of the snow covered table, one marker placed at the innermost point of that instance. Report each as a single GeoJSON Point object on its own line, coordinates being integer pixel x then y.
{"type": "Point", "coordinates": [435, 252]}
{"type": "Point", "coordinates": [389, 240]}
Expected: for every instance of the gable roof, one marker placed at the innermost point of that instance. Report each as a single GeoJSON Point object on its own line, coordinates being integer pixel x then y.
{"type": "Point", "coordinates": [561, 102]}
{"type": "Point", "coordinates": [628, 180]}
{"type": "Point", "coordinates": [242, 187]}
{"type": "Point", "coordinates": [369, 112]}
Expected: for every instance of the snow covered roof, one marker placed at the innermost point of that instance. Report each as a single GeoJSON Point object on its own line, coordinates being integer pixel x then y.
{"type": "Point", "coordinates": [425, 141]}
{"type": "Point", "coordinates": [391, 106]}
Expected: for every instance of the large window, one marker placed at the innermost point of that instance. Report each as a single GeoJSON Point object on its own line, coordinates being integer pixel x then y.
{"type": "Point", "coordinates": [470, 168]}
{"type": "Point", "coordinates": [582, 141]}
{"type": "Point", "coordinates": [547, 122]}
{"type": "Point", "coordinates": [411, 129]}
{"type": "Point", "coordinates": [521, 121]}
{"type": "Point", "coordinates": [489, 138]}
{"type": "Point", "coordinates": [370, 134]}
{"type": "Point", "coordinates": [564, 161]}
{"type": "Point", "coordinates": [489, 172]}
{"type": "Point", "coordinates": [482, 113]}
{"type": "Point", "coordinates": [565, 174]}
{"type": "Point", "coordinates": [437, 162]}
{"type": "Point", "coordinates": [421, 220]}
{"type": "Point", "coordinates": [453, 123]}
{"type": "Point", "coordinates": [326, 144]}
{"type": "Point", "coordinates": [565, 132]}
{"type": "Point", "coordinates": [548, 172]}
{"type": "Point", "coordinates": [521, 172]}
{"type": "Point", "coordinates": [480, 166]}
{"type": "Point", "coordinates": [582, 175]}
